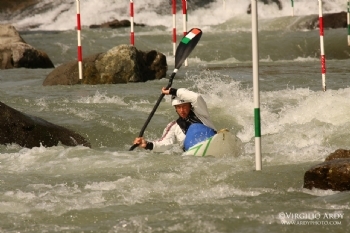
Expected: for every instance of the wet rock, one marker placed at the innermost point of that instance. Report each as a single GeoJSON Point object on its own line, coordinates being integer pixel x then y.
{"type": "Point", "coordinates": [339, 154]}
{"type": "Point", "coordinates": [121, 64]}
{"type": "Point", "coordinates": [332, 174]}
{"type": "Point", "coordinates": [16, 53]}
{"type": "Point", "coordinates": [332, 20]}
{"type": "Point", "coordinates": [8, 6]}
{"type": "Point", "coordinates": [30, 131]}
{"type": "Point", "coordinates": [116, 24]}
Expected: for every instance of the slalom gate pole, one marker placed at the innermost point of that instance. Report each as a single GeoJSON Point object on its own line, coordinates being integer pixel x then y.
{"type": "Point", "coordinates": [132, 34]}
{"type": "Point", "coordinates": [174, 25]}
{"type": "Point", "coordinates": [255, 51]}
{"type": "Point", "coordinates": [348, 14]}
{"type": "Point", "coordinates": [80, 56]}
{"type": "Point", "coordinates": [292, 2]}
{"type": "Point", "coordinates": [184, 21]}
{"type": "Point", "coordinates": [323, 58]}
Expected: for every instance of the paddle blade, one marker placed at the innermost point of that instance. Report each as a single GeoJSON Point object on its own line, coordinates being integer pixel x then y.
{"type": "Point", "coordinates": [186, 46]}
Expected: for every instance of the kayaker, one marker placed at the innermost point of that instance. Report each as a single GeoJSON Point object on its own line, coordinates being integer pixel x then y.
{"type": "Point", "coordinates": [191, 109]}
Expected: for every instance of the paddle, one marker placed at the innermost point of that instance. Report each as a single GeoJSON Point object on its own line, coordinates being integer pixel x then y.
{"type": "Point", "coordinates": [184, 49]}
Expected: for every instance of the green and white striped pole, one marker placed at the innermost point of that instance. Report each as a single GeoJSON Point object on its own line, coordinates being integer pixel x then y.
{"type": "Point", "coordinates": [292, 2]}
{"type": "Point", "coordinates": [255, 54]}
{"type": "Point", "coordinates": [348, 22]}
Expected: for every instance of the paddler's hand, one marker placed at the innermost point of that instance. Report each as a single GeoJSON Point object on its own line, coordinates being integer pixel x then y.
{"type": "Point", "coordinates": [141, 142]}
{"type": "Point", "coordinates": [165, 91]}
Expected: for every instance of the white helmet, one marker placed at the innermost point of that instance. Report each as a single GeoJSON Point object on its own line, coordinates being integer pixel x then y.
{"type": "Point", "coordinates": [176, 101]}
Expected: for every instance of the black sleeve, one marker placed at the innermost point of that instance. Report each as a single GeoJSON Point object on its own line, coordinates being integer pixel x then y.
{"type": "Point", "coordinates": [149, 146]}
{"type": "Point", "coordinates": [173, 91]}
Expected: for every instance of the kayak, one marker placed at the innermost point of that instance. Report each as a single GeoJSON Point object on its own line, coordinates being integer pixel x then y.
{"type": "Point", "coordinates": [221, 144]}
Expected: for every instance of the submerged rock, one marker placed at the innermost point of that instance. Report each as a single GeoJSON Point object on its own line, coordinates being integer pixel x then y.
{"type": "Point", "coordinates": [332, 174]}
{"type": "Point", "coordinates": [16, 53]}
{"type": "Point", "coordinates": [116, 24]}
{"type": "Point", "coordinates": [121, 64]}
{"type": "Point", "coordinates": [30, 131]}
{"type": "Point", "coordinates": [331, 20]}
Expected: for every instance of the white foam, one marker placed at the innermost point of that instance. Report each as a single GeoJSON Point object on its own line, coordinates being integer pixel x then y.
{"type": "Point", "coordinates": [63, 15]}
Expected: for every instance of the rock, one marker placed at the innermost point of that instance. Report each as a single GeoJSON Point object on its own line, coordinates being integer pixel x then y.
{"type": "Point", "coordinates": [339, 154]}
{"type": "Point", "coordinates": [68, 73]}
{"type": "Point", "coordinates": [332, 174]}
{"type": "Point", "coordinates": [30, 131]}
{"type": "Point", "coordinates": [9, 34]}
{"type": "Point", "coordinates": [115, 24]}
{"type": "Point", "coordinates": [16, 5]}
{"type": "Point", "coordinates": [16, 53]}
{"type": "Point", "coordinates": [332, 20]}
{"type": "Point", "coordinates": [121, 64]}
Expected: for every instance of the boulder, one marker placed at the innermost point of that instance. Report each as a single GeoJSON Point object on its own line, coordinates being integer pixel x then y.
{"type": "Point", "coordinates": [16, 53]}
{"type": "Point", "coordinates": [339, 154]}
{"type": "Point", "coordinates": [332, 174]}
{"type": "Point", "coordinates": [121, 64]}
{"type": "Point", "coordinates": [16, 5]}
{"type": "Point", "coordinates": [30, 131]}
{"type": "Point", "coordinates": [115, 24]}
{"type": "Point", "coordinates": [331, 20]}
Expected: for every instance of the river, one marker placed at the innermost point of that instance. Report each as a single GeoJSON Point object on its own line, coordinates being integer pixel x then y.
{"type": "Point", "coordinates": [107, 188]}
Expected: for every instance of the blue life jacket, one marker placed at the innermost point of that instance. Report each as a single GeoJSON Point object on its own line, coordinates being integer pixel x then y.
{"type": "Point", "coordinates": [197, 133]}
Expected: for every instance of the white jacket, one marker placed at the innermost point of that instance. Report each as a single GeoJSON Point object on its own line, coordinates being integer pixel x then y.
{"type": "Point", "coordinates": [172, 131]}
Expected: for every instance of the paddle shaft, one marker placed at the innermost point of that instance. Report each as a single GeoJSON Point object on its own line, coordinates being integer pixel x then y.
{"type": "Point", "coordinates": [154, 109]}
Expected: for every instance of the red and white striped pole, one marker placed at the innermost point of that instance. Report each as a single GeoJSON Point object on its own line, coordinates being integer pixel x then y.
{"type": "Point", "coordinates": [80, 56]}
{"type": "Point", "coordinates": [132, 34]}
{"type": "Point", "coordinates": [184, 21]}
{"type": "Point", "coordinates": [174, 25]}
{"type": "Point", "coordinates": [184, 16]}
{"type": "Point", "coordinates": [323, 58]}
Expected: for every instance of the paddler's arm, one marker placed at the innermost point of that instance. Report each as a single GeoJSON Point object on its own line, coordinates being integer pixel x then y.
{"type": "Point", "coordinates": [158, 146]}
{"type": "Point", "coordinates": [164, 143]}
{"type": "Point", "coordinates": [167, 140]}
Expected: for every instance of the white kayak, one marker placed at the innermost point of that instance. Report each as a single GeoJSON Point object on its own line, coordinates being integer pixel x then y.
{"type": "Point", "coordinates": [221, 144]}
